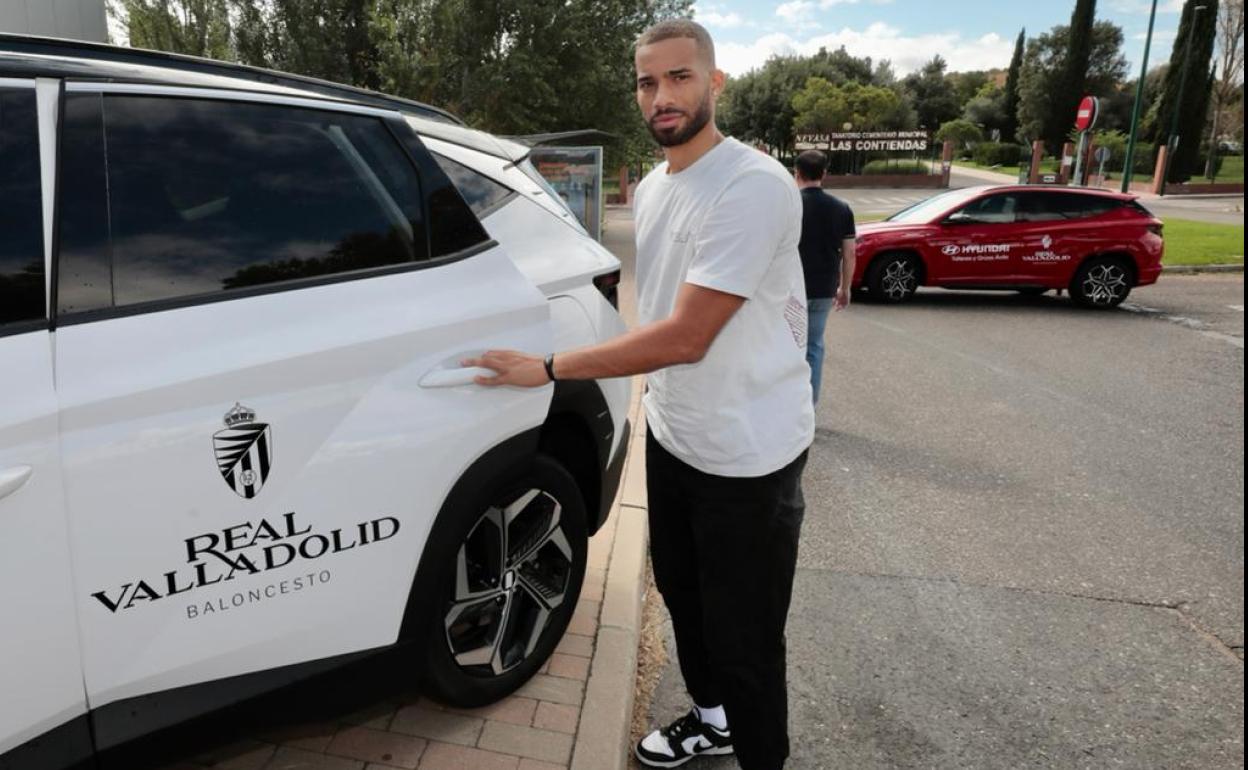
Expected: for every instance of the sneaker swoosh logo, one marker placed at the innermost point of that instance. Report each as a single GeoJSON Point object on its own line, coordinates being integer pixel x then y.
{"type": "Point", "coordinates": [698, 742]}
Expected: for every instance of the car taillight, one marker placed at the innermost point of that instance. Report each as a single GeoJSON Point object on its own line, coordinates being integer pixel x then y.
{"type": "Point", "coordinates": [1155, 229]}
{"type": "Point", "coordinates": [609, 284]}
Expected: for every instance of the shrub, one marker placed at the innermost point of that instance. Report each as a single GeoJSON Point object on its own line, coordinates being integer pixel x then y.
{"type": "Point", "coordinates": [999, 154]}
{"type": "Point", "coordinates": [878, 167]}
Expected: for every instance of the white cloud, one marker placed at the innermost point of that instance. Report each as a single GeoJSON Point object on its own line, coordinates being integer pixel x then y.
{"type": "Point", "coordinates": [723, 21]}
{"type": "Point", "coordinates": [795, 10]}
{"type": "Point", "coordinates": [712, 15]}
{"type": "Point", "coordinates": [879, 41]}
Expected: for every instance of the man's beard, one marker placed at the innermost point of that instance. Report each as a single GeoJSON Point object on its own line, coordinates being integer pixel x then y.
{"type": "Point", "coordinates": [674, 137]}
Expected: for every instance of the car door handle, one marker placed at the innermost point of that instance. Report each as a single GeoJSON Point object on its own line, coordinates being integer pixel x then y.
{"type": "Point", "coordinates": [454, 377]}
{"type": "Point", "coordinates": [12, 479]}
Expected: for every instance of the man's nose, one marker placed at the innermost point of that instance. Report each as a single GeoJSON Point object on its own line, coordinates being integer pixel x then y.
{"type": "Point", "coordinates": [663, 97]}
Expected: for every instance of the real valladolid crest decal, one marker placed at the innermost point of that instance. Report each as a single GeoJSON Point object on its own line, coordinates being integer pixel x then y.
{"type": "Point", "coordinates": [244, 451]}
{"type": "Point", "coordinates": [251, 548]}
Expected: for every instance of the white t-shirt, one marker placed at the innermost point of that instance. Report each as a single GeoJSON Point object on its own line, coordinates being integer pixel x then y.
{"type": "Point", "coordinates": [729, 222]}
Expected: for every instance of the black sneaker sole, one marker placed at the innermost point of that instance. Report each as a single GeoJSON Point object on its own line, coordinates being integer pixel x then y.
{"type": "Point", "coordinates": [711, 752]}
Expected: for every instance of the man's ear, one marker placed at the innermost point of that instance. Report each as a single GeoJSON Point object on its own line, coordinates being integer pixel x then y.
{"type": "Point", "coordinates": [718, 78]}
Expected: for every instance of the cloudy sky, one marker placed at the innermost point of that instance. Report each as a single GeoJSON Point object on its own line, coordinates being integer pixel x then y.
{"type": "Point", "coordinates": [970, 34]}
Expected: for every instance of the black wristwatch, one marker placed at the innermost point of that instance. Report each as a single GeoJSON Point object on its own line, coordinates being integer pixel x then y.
{"type": "Point", "coordinates": [549, 363]}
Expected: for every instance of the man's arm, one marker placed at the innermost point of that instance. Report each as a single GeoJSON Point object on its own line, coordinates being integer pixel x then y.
{"type": "Point", "coordinates": [845, 289]}
{"type": "Point", "coordinates": [682, 338]}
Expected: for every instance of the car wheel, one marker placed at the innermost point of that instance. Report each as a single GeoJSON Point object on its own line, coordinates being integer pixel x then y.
{"type": "Point", "coordinates": [507, 590]}
{"type": "Point", "coordinates": [1101, 282]}
{"type": "Point", "coordinates": [894, 278]}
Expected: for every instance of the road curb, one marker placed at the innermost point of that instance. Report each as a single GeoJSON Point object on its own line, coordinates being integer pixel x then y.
{"type": "Point", "coordinates": [1188, 269]}
{"type": "Point", "coordinates": [602, 740]}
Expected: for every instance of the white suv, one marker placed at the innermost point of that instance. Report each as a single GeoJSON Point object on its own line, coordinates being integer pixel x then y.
{"type": "Point", "coordinates": [236, 444]}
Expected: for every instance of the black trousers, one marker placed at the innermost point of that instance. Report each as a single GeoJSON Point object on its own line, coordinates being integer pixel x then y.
{"type": "Point", "coordinates": [724, 552]}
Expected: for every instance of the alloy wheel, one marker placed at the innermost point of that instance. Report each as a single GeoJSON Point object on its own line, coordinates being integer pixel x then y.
{"type": "Point", "coordinates": [512, 572]}
{"type": "Point", "coordinates": [1105, 284]}
{"type": "Point", "coordinates": [899, 280]}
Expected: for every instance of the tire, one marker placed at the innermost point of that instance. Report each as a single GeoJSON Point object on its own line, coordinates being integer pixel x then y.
{"type": "Point", "coordinates": [1102, 282]}
{"type": "Point", "coordinates": [497, 619]}
{"type": "Point", "coordinates": [893, 278]}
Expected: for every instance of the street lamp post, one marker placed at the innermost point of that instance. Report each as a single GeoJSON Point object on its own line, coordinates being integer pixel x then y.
{"type": "Point", "coordinates": [1139, 97]}
{"type": "Point", "coordinates": [1172, 140]}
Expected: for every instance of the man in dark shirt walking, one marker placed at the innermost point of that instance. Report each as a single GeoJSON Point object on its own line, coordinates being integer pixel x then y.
{"type": "Point", "coordinates": [827, 249]}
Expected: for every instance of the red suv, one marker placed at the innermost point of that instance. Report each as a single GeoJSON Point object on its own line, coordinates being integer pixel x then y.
{"type": "Point", "coordinates": [1093, 243]}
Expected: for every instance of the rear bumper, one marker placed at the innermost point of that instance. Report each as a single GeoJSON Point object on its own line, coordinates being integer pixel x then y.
{"type": "Point", "coordinates": [1148, 275]}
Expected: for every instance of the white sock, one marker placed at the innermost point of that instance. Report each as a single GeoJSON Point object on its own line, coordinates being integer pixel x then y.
{"type": "Point", "coordinates": [715, 717]}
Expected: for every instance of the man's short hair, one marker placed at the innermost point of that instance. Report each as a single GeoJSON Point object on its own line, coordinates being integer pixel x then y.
{"type": "Point", "coordinates": [675, 28]}
{"type": "Point", "coordinates": [812, 165]}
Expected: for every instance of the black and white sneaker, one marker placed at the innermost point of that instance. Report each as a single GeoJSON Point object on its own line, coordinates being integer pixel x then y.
{"type": "Point", "coordinates": [681, 741]}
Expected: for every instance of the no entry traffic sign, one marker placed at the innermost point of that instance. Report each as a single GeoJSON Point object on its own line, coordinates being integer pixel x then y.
{"type": "Point", "coordinates": [1085, 118]}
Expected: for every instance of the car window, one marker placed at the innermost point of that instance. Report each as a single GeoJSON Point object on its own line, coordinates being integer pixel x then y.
{"type": "Point", "coordinates": [991, 209]}
{"type": "Point", "coordinates": [21, 219]}
{"type": "Point", "coordinates": [204, 196]}
{"type": "Point", "coordinates": [479, 191]}
{"type": "Point", "coordinates": [925, 210]}
{"type": "Point", "coordinates": [1050, 206]}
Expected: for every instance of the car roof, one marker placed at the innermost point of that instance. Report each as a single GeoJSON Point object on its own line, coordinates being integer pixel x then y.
{"type": "Point", "coordinates": [1049, 188]}
{"type": "Point", "coordinates": [31, 56]}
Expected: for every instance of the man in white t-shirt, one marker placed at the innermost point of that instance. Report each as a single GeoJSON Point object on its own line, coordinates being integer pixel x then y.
{"type": "Point", "coordinates": [722, 307]}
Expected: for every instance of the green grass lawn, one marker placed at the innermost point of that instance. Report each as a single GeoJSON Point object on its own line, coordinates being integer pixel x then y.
{"type": "Point", "coordinates": [1232, 170]}
{"type": "Point", "coordinates": [1203, 243]}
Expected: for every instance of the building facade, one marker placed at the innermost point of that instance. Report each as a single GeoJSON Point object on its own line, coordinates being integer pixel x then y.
{"type": "Point", "coordinates": [74, 19]}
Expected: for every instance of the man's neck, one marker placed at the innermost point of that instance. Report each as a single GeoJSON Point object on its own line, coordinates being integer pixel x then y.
{"type": "Point", "coordinates": [683, 156]}
{"type": "Point", "coordinates": [803, 184]}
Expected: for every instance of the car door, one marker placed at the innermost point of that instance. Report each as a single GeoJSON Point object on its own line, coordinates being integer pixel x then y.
{"type": "Point", "coordinates": [1052, 229]}
{"type": "Point", "coordinates": [42, 707]}
{"type": "Point", "coordinates": [976, 244]}
{"type": "Point", "coordinates": [262, 309]}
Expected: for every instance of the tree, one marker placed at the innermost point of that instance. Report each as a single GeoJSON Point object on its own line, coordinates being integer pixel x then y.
{"type": "Point", "coordinates": [1191, 113]}
{"type": "Point", "coordinates": [1071, 84]}
{"type": "Point", "coordinates": [195, 27]}
{"type": "Point", "coordinates": [1230, 66]}
{"type": "Point", "coordinates": [508, 66]}
{"type": "Point", "coordinates": [1044, 62]}
{"type": "Point", "coordinates": [966, 85]}
{"type": "Point", "coordinates": [758, 106]}
{"type": "Point", "coordinates": [822, 107]}
{"type": "Point", "coordinates": [1009, 100]}
{"type": "Point", "coordinates": [987, 110]}
{"type": "Point", "coordinates": [933, 95]}
{"type": "Point", "coordinates": [962, 133]}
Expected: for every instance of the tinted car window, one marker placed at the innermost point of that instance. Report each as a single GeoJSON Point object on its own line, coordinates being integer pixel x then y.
{"type": "Point", "coordinates": [991, 209]}
{"type": "Point", "coordinates": [21, 219]}
{"type": "Point", "coordinates": [453, 228]}
{"type": "Point", "coordinates": [480, 192]}
{"type": "Point", "coordinates": [204, 196]}
{"type": "Point", "coordinates": [1049, 206]}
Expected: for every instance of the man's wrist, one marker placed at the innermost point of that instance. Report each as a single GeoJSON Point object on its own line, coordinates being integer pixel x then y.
{"type": "Point", "coordinates": [549, 364]}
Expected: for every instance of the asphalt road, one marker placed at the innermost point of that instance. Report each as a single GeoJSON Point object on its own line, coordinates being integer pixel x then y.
{"type": "Point", "coordinates": [1024, 540]}
{"type": "Point", "coordinates": [881, 202]}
